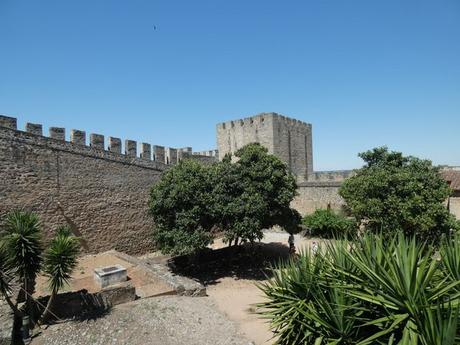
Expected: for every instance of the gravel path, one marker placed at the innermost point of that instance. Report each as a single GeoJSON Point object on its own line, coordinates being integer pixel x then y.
{"type": "Point", "coordinates": [170, 320]}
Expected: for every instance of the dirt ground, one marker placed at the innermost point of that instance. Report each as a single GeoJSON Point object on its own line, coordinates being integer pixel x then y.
{"type": "Point", "coordinates": [226, 316]}
{"type": "Point", "coordinates": [83, 277]}
{"type": "Point", "coordinates": [233, 288]}
{"type": "Point", "coordinates": [167, 320]}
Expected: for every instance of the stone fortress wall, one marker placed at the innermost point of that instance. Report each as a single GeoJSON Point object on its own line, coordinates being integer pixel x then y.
{"type": "Point", "coordinates": [287, 138]}
{"type": "Point", "coordinates": [98, 190]}
{"type": "Point", "coordinates": [101, 190]}
{"type": "Point", "coordinates": [291, 141]}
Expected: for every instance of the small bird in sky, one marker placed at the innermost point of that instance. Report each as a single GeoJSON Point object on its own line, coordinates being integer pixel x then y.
{"type": "Point", "coordinates": [154, 27]}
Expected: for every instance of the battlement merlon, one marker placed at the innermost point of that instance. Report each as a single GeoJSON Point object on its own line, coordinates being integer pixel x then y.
{"type": "Point", "coordinates": [259, 118]}
{"type": "Point", "coordinates": [287, 138]}
{"type": "Point", "coordinates": [97, 142]}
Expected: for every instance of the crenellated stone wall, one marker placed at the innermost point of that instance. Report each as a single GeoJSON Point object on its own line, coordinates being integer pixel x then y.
{"type": "Point", "coordinates": [100, 186]}
{"type": "Point", "coordinates": [287, 138]}
{"type": "Point", "coordinates": [96, 189]}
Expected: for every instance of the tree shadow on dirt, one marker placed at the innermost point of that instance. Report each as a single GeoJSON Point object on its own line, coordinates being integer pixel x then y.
{"type": "Point", "coordinates": [242, 262]}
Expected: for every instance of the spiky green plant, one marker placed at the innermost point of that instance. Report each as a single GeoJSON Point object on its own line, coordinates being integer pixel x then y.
{"type": "Point", "coordinates": [306, 305]}
{"type": "Point", "coordinates": [60, 260]}
{"type": "Point", "coordinates": [371, 291]}
{"type": "Point", "coordinates": [450, 258]}
{"type": "Point", "coordinates": [6, 275]}
{"type": "Point", "coordinates": [23, 250]}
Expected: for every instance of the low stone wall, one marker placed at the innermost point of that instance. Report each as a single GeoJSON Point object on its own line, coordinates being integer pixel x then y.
{"type": "Point", "coordinates": [314, 195]}
{"type": "Point", "coordinates": [182, 286]}
{"type": "Point", "coordinates": [330, 176]}
{"type": "Point", "coordinates": [81, 304]}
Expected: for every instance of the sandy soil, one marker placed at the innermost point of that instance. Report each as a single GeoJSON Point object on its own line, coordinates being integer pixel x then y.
{"type": "Point", "coordinates": [83, 277]}
{"type": "Point", "coordinates": [236, 297]}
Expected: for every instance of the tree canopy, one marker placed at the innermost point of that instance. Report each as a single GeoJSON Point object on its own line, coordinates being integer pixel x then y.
{"type": "Point", "coordinates": [254, 193]}
{"type": "Point", "coordinates": [394, 193]}
{"type": "Point", "coordinates": [239, 198]}
{"type": "Point", "coordinates": [182, 207]}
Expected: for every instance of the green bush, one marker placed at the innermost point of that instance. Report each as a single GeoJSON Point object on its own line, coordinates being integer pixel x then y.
{"type": "Point", "coordinates": [254, 193]}
{"type": "Point", "coordinates": [372, 291]}
{"type": "Point", "coordinates": [393, 193]}
{"type": "Point", "coordinates": [182, 208]}
{"type": "Point", "coordinates": [238, 198]}
{"type": "Point", "coordinates": [325, 223]}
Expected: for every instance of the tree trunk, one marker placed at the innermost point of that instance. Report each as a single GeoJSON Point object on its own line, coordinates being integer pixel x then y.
{"type": "Point", "coordinates": [28, 290]}
{"type": "Point", "coordinates": [48, 308]}
{"type": "Point", "coordinates": [13, 307]}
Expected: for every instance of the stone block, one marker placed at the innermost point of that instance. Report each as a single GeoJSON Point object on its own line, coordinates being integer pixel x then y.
{"type": "Point", "coordinates": [8, 122]}
{"type": "Point", "coordinates": [115, 145]}
{"type": "Point", "coordinates": [34, 128]}
{"type": "Point", "coordinates": [131, 148]}
{"type": "Point", "coordinates": [106, 276]}
{"type": "Point", "coordinates": [159, 154]}
{"type": "Point", "coordinates": [78, 137]}
{"type": "Point", "coordinates": [171, 155]}
{"type": "Point", "coordinates": [146, 151]}
{"type": "Point", "coordinates": [57, 133]}
{"type": "Point", "coordinates": [96, 141]}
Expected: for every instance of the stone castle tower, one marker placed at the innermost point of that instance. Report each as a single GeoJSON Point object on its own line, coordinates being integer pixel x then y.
{"type": "Point", "coordinates": [286, 138]}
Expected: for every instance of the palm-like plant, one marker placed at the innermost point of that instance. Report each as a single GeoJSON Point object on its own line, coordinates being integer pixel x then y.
{"type": "Point", "coordinates": [305, 305]}
{"type": "Point", "coordinates": [23, 248]}
{"type": "Point", "coordinates": [60, 260]}
{"type": "Point", "coordinates": [367, 292]}
{"type": "Point", "coordinates": [5, 280]}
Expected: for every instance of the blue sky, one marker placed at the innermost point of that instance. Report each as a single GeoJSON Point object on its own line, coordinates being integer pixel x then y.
{"type": "Point", "coordinates": [364, 73]}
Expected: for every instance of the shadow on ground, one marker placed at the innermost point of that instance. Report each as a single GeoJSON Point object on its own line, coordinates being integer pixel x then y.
{"type": "Point", "coordinates": [241, 262]}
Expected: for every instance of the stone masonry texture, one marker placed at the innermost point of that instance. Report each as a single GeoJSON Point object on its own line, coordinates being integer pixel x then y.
{"type": "Point", "coordinates": [288, 139]}
{"type": "Point", "coordinates": [101, 195]}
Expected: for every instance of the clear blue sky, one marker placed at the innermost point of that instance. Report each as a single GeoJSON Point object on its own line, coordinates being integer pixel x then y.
{"type": "Point", "coordinates": [364, 73]}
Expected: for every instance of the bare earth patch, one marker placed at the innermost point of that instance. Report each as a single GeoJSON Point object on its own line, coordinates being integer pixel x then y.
{"type": "Point", "coordinates": [236, 297]}
{"type": "Point", "coordinates": [227, 316]}
{"type": "Point", "coordinates": [168, 320]}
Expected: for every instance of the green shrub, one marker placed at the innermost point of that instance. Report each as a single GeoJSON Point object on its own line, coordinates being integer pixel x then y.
{"type": "Point", "coordinates": [182, 209]}
{"type": "Point", "coordinates": [372, 291]}
{"type": "Point", "coordinates": [327, 224]}
{"type": "Point", "coordinates": [239, 198]}
{"type": "Point", "coordinates": [393, 193]}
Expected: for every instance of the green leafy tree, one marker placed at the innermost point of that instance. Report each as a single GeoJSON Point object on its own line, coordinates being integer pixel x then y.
{"type": "Point", "coordinates": [253, 194]}
{"type": "Point", "coordinates": [181, 206]}
{"type": "Point", "coordinates": [59, 262]}
{"type": "Point", "coordinates": [326, 223]}
{"type": "Point", "coordinates": [393, 193]}
{"type": "Point", "coordinates": [241, 199]}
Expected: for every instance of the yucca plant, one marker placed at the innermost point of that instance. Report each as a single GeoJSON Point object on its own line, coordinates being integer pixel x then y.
{"type": "Point", "coordinates": [401, 279]}
{"type": "Point", "coordinates": [60, 260]}
{"type": "Point", "coordinates": [450, 258]}
{"type": "Point", "coordinates": [22, 246]}
{"type": "Point", "coordinates": [371, 291]}
{"type": "Point", "coordinates": [305, 305]}
{"type": "Point", "coordinates": [6, 276]}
